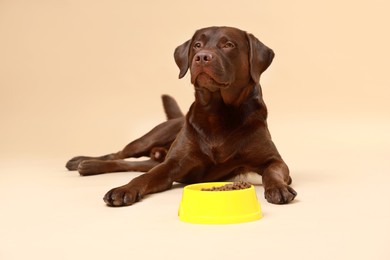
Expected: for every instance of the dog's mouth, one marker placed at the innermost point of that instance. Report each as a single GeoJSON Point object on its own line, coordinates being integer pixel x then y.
{"type": "Point", "coordinates": [205, 80]}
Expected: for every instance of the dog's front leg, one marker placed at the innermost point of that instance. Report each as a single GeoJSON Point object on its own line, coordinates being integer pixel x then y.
{"type": "Point", "coordinates": [276, 181]}
{"type": "Point", "coordinates": [160, 178]}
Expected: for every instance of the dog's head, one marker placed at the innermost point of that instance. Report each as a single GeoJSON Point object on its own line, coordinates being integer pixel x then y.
{"type": "Point", "coordinates": [222, 58]}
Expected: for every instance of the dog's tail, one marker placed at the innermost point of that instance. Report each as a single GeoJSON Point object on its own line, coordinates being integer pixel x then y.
{"type": "Point", "coordinates": [171, 108]}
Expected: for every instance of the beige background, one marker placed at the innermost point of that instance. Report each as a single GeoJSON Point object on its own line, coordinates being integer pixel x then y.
{"type": "Point", "coordinates": [85, 77]}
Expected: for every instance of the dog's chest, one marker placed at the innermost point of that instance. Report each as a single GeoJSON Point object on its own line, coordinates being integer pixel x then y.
{"type": "Point", "coordinates": [219, 150]}
{"type": "Point", "coordinates": [222, 132]}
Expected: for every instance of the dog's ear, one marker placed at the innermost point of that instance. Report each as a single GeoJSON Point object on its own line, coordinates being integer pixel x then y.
{"type": "Point", "coordinates": [181, 57]}
{"type": "Point", "coordinates": [260, 57]}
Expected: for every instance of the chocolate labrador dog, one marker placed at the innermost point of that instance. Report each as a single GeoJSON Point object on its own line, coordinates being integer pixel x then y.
{"type": "Point", "coordinates": [223, 135]}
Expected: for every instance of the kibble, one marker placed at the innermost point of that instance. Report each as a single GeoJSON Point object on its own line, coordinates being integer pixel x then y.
{"type": "Point", "coordinates": [239, 185]}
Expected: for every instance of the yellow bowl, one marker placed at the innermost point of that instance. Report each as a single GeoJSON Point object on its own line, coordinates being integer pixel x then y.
{"type": "Point", "coordinates": [218, 207]}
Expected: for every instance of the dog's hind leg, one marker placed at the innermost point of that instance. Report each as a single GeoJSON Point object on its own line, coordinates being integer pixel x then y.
{"type": "Point", "coordinates": [73, 163]}
{"type": "Point", "coordinates": [93, 167]}
{"type": "Point", "coordinates": [160, 136]}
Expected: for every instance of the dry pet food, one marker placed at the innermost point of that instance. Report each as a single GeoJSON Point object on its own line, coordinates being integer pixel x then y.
{"type": "Point", "coordinates": [239, 185]}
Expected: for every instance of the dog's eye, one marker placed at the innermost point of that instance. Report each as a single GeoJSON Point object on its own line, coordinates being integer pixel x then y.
{"type": "Point", "coordinates": [229, 45]}
{"type": "Point", "coordinates": [197, 45]}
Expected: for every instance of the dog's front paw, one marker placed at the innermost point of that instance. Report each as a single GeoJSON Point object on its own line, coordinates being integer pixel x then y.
{"type": "Point", "coordinates": [122, 196]}
{"type": "Point", "coordinates": [280, 194]}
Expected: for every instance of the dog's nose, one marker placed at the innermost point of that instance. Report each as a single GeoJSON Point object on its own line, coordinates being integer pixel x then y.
{"type": "Point", "coordinates": [203, 57]}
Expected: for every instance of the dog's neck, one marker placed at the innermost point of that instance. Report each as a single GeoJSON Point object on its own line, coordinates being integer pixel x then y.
{"type": "Point", "coordinates": [231, 97]}
{"type": "Point", "coordinates": [209, 111]}
{"type": "Point", "coordinates": [220, 103]}
{"type": "Point", "coordinates": [236, 96]}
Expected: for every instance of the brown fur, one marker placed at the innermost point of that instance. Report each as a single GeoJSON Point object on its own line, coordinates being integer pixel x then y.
{"type": "Point", "coordinates": [223, 135]}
